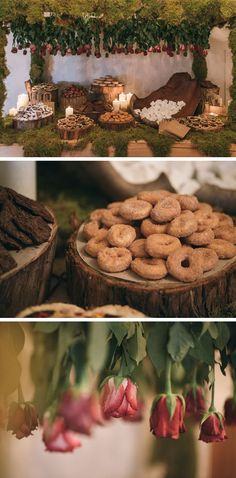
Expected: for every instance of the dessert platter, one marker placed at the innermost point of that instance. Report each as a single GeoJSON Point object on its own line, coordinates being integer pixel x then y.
{"type": "Point", "coordinates": [28, 233]}
{"type": "Point", "coordinates": [162, 253]}
{"type": "Point", "coordinates": [116, 120]}
{"type": "Point", "coordinates": [74, 126]}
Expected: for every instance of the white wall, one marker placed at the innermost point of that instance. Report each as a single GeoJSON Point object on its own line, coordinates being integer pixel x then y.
{"type": "Point", "coordinates": [142, 75]}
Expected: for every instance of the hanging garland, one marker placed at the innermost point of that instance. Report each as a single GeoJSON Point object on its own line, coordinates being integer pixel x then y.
{"type": "Point", "coordinates": [115, 366]}
{"type": "Point", "coordinates": [3, 70]}
{"type": "Point", "coordinates": [232, 42]}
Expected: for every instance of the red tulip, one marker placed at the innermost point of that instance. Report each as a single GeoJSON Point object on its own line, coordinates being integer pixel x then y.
{"type": "Point", "coordinates": [22, 419]}
{"type": "Point", "coordinates": [230, 412]}
{"type": "Point", "coordinates": [212, 428]}
{"type": "Point", "coordinates": [195, 403]}
{"type": "Point", "coordinates": [163, 424]}
{"type": "Point", "coordinates": [138, 416]}
{"type": "Point", "coordinates": [80, 411]}
{"type": "Point", "coordinates": [119, 401]}
{"type": "Point", "coordinates": [56, 437]}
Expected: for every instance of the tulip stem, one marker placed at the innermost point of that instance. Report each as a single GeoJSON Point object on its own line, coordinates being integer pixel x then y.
{"type": "Point", "coordinates": [212, 406]}
{"type": "Point", "coordinates": [168, 375]}
{"type": "Point", "coordinates": [194, 377]}
{"type": "Point", "coordinates": [20, 394]}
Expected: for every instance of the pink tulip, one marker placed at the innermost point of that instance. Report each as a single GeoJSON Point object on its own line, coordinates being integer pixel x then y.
{"type": "Point", "coordinates": [57, 438]}
{"type": "Point", "coordinates": [119, 401]}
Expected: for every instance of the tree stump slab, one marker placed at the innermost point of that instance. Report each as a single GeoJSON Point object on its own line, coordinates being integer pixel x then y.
{"type": "Point", "coordinates": [28, 283]}
{"type": "Point", "coordinates": [168, 298]}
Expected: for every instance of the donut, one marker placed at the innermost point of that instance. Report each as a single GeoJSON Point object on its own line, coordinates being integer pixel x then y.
{"type": "Point", "coordinates": [166, 210]}
{"type": "Point", "coordinates": [149, 227]}
{"type": "Point", "coordinates": [114, 205]}
{"type": "Point", "coordinates": [121, 235]}
{"type": "Point", "coordinates": [114, 259]}
{"type": "Point", "coordinates": [97, 214]}
{"type": "Point", "coordinates": [203, 206]}
{"type": "Point", "coordinates": [228, 233]}
{"type": "Point", "coordinates": [135, 209]}
{"type": "Point", "coordinates": [153, 196]}
{"type": "Point", "coordinates": [152, 269]}
{"type": "Point", "coordinates": [97, 243]}
{"type": "Point", "coordinates": [91, 229]}
{"type": "Point", "coordinates": [224, 219]}
{"type": "Point", "coordinates": [224, 249]}
{"type": "Point", "coordinates": [109, 218]}
{"type": "Point", "coordinates": [202, 237]}
{"type": "Point", "coordinates": [188, 202]}
{"type": "Point", "coordinates": [183, 225]}
{"type": "Point", "coordinates": [183, 265]}
{"type": "Point", "coordinates": [137, 248]}
{"type": "Point", "coordinates": [208, 258]}
{"type": "Point", "coordinates": [161, 245]}
{"type": "Point", "coordinates": [207, 219]}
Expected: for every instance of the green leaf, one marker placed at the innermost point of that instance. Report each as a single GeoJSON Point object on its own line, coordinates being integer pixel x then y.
{"type": "Point", "coordinates": [204, 350]}
{"type": "Point", "coordinates": [18, 337]}
{"type": "Point", "coordinates": [67, 336]}
{"type": "Point", "coordinates": [98, 345]}
{"type": "Point", "coordinates": [120, 330]}
{"type": "Point", "coordinates": [136, 346]}
{"type": "Point", "coordinates": [213, 330]}
{"type": "Point", "coordinates": [156, 345]}
{"type": "Point", "coordinates": [223, 335]}
{"type": "Point", "coordinates": [180, 341]}
{"type": "Point", "coordinates": [46, 327]}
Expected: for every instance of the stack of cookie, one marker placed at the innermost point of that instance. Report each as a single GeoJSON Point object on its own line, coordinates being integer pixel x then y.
{"type": "Point", "coordinates": [158, 233]}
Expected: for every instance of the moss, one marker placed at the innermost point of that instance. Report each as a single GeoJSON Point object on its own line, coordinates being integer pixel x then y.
{"type": "Point", "coordinates": [214, 144]}
{"type": "Point", "coordinates": [3, 70]}
{"type": "Point", "coordinates": [232, 43]}
{"type": "Point", "coordinates": [41, 143]}
{"type": "Point", "coordinates": [200, 67]}
{"type": "Point", "coordinates": [37, 68]}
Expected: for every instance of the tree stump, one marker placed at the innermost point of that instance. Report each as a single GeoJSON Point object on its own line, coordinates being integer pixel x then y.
{"type": "Point", "coordinates": [207, 297]}
{"type": "Point", "coordinates": [28, 283]}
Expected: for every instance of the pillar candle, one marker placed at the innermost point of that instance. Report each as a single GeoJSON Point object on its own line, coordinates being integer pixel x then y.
{"type": "Point", "coordinates": [69, 111]}
{"type": "Point", "coordinates": [116, 105]}
{"type": "Point", "coordinates": [22, 101]}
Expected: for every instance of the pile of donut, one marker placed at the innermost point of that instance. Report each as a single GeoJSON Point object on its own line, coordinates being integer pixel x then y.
{"type": "Point", "coordinates": [157, 233]}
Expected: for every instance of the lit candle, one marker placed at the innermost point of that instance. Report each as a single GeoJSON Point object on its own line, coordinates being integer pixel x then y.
{"type": "Point", "coordinates": [69, 111]}
{"type": "Point", "coordinates": [116, 105]}
{"type": "Point", "coordinates": [123, 105]}
{"type": "Point", "coordinates": [22, 101]}
{"type": "Point", "coordinates": [128, 97]}
{"type": "Point", "coordinates": [12, 112]}
{"type": "Point", "coordinates": [122, 97]}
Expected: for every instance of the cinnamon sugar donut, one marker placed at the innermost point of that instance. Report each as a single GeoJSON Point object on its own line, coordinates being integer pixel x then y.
{"type": "Point", "coordinates": [91, 229]}
{"type": "Point", "coordinates": [183, 265]}
{"type": "Point", "coordinates": [137, 248]}
{"type": "Point", "coordinates": [207, 219]}
{"type": "Point", "coordinates": [121, 235]}
{"type": "Point", "coordinates": [114, 259]}
{"type": "Point", "coordinates": [208, 258]}
{"type": "Point", "coordinates": [166, 210]}
{"type": "Point", "coordinates": [202, 237]}
{"type": "Point", "coordinates": [109, 218]}
{"type": "Point", "coordinates": [152, 269]}
{"type": "Point", "coordinates": [224, 219]}
{"type": "Point", "coordinates": [97, 243]}
{"type": "Point", "coordinates": [188, 202]}
{"type": "Point", "coordinates": [97, 214]}
{"type": "Point", "coordinates": [161, 245]}
{"type": "Point", "coordinates": [224, 249]}
{"type": "Point", "coordinates": [153, 196]}
{"type": "Point", "coordinates": [183, 225]}
{"type": "Point", "coordinates": [114, 205]}
{"type": "Point", "coordinates": [135, 209]}
{"type": "Point", "coordinates": [203, 206]}
{"type": "Point", "coordinates": [149, 227]}
{"type": "Point", "coordinates": [228, 233]}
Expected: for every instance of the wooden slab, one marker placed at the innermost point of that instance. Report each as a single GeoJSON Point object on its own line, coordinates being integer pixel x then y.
{"type": "Point", "coordinates": [28, 283]}
{"type": "Point", "coordinates": [88, 287]}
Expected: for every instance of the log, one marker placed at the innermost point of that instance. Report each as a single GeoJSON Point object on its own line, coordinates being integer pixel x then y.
{"type": "Point", "coordinates": [27, 284]}
{"type": "Point", "coordinates": [207, 297]}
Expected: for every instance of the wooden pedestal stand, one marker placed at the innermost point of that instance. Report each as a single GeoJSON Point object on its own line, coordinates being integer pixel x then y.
{"type": "Point", "coordinates": [206, 297]}
{"type": "Point", "coordinates": [28, 283]}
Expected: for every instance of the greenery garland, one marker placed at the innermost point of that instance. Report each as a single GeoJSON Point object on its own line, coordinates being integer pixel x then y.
{"type": "Point", "coordinates": [232, 43]}
{"type": "Point", "coordinates": [3, 71]}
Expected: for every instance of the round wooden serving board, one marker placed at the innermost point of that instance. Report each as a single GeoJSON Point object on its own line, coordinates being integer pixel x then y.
{"type": "Point", "coordinates": [28, 283]}
{"type": "Point", "coordinates": [88, 287]}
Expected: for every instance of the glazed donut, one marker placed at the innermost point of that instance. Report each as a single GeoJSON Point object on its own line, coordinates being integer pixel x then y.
{"type": "Point", "coordinates": [208, 258]}
{"type": "Point", "coordinates": [121, 235]}
{"type": "Point", "coordinates": [166, 210]}
{"type": "Point", "coordinates": [161, 245]}
{"type": "Point", "coordinates": [153, 269]}
{"type": "Point", "coordinates": [114, 259]}
{"type": "Point", "coordinates": [91, 229]}
{"type": "Point", "coordinates": [135, 209]}
{"type": "Point", "coordinates": [109, 218]}
{"type": "Point", "coordinates": [149, 227]}
{"type": "Point", "coordinates": [97, 243]}
{"type": "Point", "coordinates": [188, 202]}
{"type": "Point", "coordinates": [153, 196]}
{"type": "Point", "coordinates": [207, 219]}
{"type": "Point", "coordinates": [97, 214]}
{"type": "Point", "coordinates": [202, 237]}
{"type": "Point", "coordinates": [228, 233]}
{"type": "Point", "coordinates": [224, 219]}
{"type": "Point", "coordinates": [183, 225]}
{"type": "Point", "coordinates": [203, 206]}
{"type": "Point", "coordinates": [137, 248]}
{"type": "Point", "coordinates": [183, 265]}
{"type": "Point", "coordinates": [224, 249]}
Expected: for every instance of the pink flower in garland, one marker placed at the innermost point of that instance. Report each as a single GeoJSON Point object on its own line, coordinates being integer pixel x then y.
{"type": "Point", "coordinates": [22, 419]}
{"type": "Point", "coordinates": [165, 422]}
{"type": "Point", "coordinates": [195, 403]}
{"type": "Point", "coordinates": [212, 428]}
{"type": "Point", "coordinates": [119, 399]}
{"type": "Point", "coordinates": [230, 412]}
{"type": "Point", "coordinates": [56, 437]}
